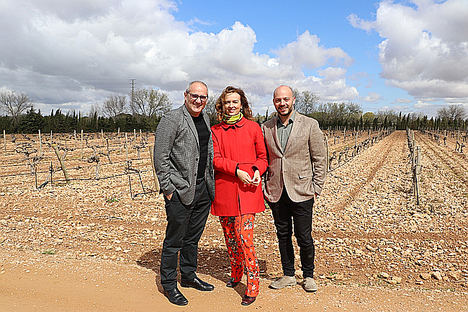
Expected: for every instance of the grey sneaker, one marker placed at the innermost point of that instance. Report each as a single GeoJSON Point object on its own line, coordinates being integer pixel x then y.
{"type": "Point", "coordinates": [283, 282]}
{"type": "Point", "coordinates": [310, 285]}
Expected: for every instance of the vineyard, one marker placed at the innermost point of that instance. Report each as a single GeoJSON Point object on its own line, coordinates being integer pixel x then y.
{"type": "Point", "coordinates": [393, 213]}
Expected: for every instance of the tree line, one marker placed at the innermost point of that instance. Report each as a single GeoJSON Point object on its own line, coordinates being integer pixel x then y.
{"type": "Point", "coordinates": [144, 108]}
{"type": "Point", "coordinates": [140, 110]}
{"type": "Point", "coordinates": [350, 116]}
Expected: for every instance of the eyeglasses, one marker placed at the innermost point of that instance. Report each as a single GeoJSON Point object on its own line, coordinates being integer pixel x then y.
{"type": "Point", "coordinates": [195, 97]}
{"type": "Point", "coordinates": [279, 100]}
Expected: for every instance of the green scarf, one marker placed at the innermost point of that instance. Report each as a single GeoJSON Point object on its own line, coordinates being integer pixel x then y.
{"type": "Point", "coordinates": [230, 120]}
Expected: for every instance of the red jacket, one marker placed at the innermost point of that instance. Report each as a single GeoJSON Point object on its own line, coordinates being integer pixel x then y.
{"type": "Point", "coordinates": [240, 144]}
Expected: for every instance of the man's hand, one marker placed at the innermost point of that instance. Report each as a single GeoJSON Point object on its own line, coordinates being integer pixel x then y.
{"type": "Point", "coordinates": [256, 178]}
{"type": "Point", "coordinates": [243, 176]}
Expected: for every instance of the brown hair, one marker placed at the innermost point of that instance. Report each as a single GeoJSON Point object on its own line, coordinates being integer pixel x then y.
{"type": "Point", "coordinates": [245, 109]}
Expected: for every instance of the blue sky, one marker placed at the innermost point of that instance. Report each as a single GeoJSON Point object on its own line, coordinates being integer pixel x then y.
{"type": "Point", "coordinates": [409, 56]}
{"type": "Point", "coordinates": [277, 23]}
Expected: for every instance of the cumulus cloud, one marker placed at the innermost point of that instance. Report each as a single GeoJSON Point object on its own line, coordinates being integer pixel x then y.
{"type": "Point", "coordinates": [79, 52]}
{"type": "Point", "coordinates": [372, 97]}
{"type": "Point", "coordinates": [333, 73]}
{"type": "Point", "coordinates": [307, 52]}
{"type": "Point", "coordinates": [357, 22]}
{"type": "Point", "coordinates": [425, 47]}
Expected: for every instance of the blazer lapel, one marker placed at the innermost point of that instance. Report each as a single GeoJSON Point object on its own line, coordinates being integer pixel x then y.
{"type": "Point", "coordinates": [207, 120]}
{"type": "Point", "coordinates": [191, 124]}
{"type": "Point", "coordinates": [275, 135]}
{"type": "Point", "coordinates": [294, 131]}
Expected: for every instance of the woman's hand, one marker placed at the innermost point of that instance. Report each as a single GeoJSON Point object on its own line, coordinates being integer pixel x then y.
{"type": "Point", "coordinates": [243, 176]}
{"type": "Point", "coordinates": [256, 178]}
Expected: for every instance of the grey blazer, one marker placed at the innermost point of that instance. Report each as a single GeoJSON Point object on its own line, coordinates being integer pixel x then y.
{"type": "Point", "coordinates": [301, 166]}
{"type": "Point", "coordinates": [176, 154]}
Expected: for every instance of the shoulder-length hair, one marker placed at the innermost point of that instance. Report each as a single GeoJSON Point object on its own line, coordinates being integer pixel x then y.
{"type": "Point", "coordinates": [245, 109]}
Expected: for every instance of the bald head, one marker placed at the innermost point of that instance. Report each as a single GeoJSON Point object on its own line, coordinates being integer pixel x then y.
{"type": "Point", "coordinates": [284, 100]}
{"type": "Point", "coordinates": [196, 82]}
{"type": "Point", "coordinates": [285, 89]}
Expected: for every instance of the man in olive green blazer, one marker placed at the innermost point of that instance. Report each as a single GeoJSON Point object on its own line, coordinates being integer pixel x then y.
{"type": "Point", "coordinates": [295, 176]}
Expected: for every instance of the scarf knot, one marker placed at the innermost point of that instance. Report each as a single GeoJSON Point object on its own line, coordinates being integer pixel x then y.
{"type": "Point", "coordinates": [230, 120]}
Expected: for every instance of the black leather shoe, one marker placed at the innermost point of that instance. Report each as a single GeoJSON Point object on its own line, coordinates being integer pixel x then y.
{"type": "Point", "coordinates": [231, 283]}
{"type": "Point", "coordinates": [246, 300]}
{"type": "Point", "coordinates": [176, 297]}
{"type": "Point", "coordinates": [197, 284]}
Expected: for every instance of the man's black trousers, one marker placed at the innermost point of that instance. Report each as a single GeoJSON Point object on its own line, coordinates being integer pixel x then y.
{"type": "Point", "coordinates": [185, 225]}
{"type": "Point", "coordinates": [285, 214]}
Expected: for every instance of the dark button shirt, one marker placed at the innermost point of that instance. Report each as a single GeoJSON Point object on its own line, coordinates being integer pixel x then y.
{"type": "Point", "coordinates": [203, 139]}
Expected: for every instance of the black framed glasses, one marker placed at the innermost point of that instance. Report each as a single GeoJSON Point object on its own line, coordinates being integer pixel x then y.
{"type": "Point", "coordinates": [195, 97]}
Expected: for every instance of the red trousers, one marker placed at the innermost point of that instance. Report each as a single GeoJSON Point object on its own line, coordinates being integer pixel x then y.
{"type": "Point", "coordinates": [238, 232]}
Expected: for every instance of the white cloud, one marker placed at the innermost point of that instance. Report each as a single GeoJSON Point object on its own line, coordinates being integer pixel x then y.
{"type": "Point", "coordinates": [394, 108]}
{"type": "Point", "coordinates": [385, 108]}
{"type": "Point", "coordinates": [307, 52]}
{"type": "Point", "coordinates": [372, 97]}
{"type": "Point", "coordinates": [333, 73]}
{"type": "Point", "coordinates": [357, 22]}
{"type": "Point", "coordinates": [402, 100]}
{"type": "Point", "coordinates": [79, 52]}
{"type": "Point", "coordinates": [423, 104]}
{"type": "Point", "coordinates": [425, 47]}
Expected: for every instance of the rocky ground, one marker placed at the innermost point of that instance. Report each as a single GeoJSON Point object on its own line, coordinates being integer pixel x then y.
{"type": "Point", "coordinates": [373, 243]}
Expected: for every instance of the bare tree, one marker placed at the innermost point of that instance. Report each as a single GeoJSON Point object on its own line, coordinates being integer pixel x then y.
{"type": "Point", "coordinates": [114, 105]}
{"type": "Point", "coordinates": [390, 115]}
{"type": "Point", "coordinates": [305, 102]}
{"type": "Point", "coordinates": [353, 110]}
{"type": "Point", "coordinates": [94, 111]}
{"type": "Point", "coordinates": [150, 103]}
{"type": "Point", "coordinates": [14, 104]}
{"type": "Point", "coordinates": [210, 109]}
{"type": "Point", "coordinates": [452, 112]}
{"type": "Point", "coordinates": [339, 113]}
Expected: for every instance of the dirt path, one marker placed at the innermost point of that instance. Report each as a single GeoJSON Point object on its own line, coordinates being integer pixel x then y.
{"type": "Point", "coordinates": [88, 246]}
{"type": "Point", "coordinates": [36, 282]}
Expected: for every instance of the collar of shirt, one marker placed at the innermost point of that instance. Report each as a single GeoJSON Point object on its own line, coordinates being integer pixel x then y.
{"type": "Point", "coordinates": [279, 124]}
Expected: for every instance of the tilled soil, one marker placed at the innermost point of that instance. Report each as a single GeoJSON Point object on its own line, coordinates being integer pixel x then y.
{"type": "Point", "coordinates": [375, 248]}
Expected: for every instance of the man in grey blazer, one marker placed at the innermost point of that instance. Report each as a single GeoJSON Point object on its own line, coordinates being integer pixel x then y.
{"type": "Point", "coordinates": [295, 176]}
{"type": "Point", "coordinates": [183, 158]}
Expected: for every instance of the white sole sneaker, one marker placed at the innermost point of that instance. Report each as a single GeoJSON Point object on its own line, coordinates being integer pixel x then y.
{"type": "Point", "coordinates": [284, 281]}
{"type": "Point", "coordinates": [310, 285]}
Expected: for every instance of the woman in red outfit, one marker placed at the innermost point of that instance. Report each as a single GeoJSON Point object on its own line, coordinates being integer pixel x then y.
{"type": "Point", "coordinates": [239, 161]}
